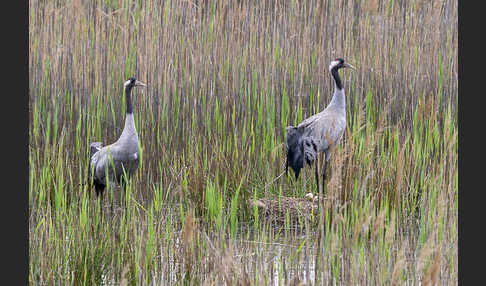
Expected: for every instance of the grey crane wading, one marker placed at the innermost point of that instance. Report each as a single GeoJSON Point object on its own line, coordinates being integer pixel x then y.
{"type": "Point", "coordinates": [319, 132]}
{"type": "Point", "coordinates": [111, 162]}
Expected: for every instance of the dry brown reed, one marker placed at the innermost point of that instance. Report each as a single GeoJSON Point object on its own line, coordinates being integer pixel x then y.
{"type": "Point", "coordinates": [400, 265]}
{"type": "Point", "coordinates": [225, 79]}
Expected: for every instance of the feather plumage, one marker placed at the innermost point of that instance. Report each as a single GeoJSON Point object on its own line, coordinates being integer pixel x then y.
{"type": "Point", "coordinates": [321, 131]}
{"type": "Point", "coordinates": [111, 162]}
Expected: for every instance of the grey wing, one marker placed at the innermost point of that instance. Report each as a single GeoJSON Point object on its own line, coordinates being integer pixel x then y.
{"type": "Point", "coordinates": [112, 159]}
{"type": "Point", "coordinates": [326, 128]}
{"type": "Point", "coordinates": [309, 121]}
{"type": "Point", "coordinates": [95, 161]}
{"type": "Point", "coordinates": [95, 147]}
{"type": "Point", "coordinates": [100, 162]}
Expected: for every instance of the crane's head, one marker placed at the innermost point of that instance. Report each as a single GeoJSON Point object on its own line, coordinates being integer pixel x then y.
{"type": "Point", "coordinates": [131, 82]}
{"type": "Point", "coordinates": [339, 63]}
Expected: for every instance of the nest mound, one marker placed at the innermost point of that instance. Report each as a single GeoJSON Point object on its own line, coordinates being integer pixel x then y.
{"type": "Point", "coordinates": [278, 208]}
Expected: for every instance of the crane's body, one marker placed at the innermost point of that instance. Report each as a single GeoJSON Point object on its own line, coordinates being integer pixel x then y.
{"type": "Point", "coordinates": [111, 162]}
{"type": "Point", "coordinates": [320, 132]}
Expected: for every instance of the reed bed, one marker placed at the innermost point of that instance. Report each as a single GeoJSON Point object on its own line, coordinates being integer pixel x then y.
{"type": "Point", "coordinates": [224, 80]}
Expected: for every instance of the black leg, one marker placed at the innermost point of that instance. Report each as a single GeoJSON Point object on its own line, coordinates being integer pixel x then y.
{"type": "Point", "coordinates": [324, 171]}
{"type": "Point", "coordinates": [123, 190]}
{"type": "Point", "coordinates": [99, 189]}
{"type": "Point", "coordinates": [305, 180]}
{"type": "Point", "coordinates": [122, 183]}
{"type": "Point", "coordinates": [287, 166]}
{"type": "Point", "coordinates": [317, 172]}
{"type": "Point", "coordinates": [110, 186]}
{"type": "Point", "coordinates": [111, 200]}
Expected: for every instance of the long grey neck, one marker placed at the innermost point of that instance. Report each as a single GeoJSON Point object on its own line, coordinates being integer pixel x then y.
{"type": "Point", "coordinates": [338, 100]}
{"type": "Point", "coordinates": [129, 134]}
{"type": "Point", "coordinates": [130, 123]}
{"type": "Point", "coordinates": [129, 131]}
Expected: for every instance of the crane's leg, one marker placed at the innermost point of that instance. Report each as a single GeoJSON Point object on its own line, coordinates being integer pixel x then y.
{"type": "Point", "coordinates": [324, 172]}
{"type": "Point", "coordinates": [320, 213]}
{"type": "Point", "coordinates": [321, 210]}
{"type": "Point", "coordinates": [286, 166]}
{"type": "Point", "coordinates": [99, 189]}
{"type": "Point", "coordinates": [317, 172]}
{"type": "Point", "coordinates": [123, 190]}
{"type": "Point", "coordinates": [304, 178]}
{"type": "Point", "coordinates": [319, 186]}
{"type": "Point", "coordinates": [110, 186]}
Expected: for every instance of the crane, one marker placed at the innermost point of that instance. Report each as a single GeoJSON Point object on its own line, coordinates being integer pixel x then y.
{"type": "Point", "coordinates": [122, 157]}
{"type": "Point", "coordinates": [320, 132]}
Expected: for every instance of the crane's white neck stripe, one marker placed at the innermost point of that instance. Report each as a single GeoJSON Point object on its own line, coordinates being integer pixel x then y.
{"type": "Point", "coordinates": [126, 83]}
{"type": "Point", "coordinates": [333, 64]}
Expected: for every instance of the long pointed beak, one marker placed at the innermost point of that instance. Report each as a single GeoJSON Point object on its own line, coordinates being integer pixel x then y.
{"type": "Point", "coordinates": [139, 83]}
{"type": "Point", "coordinates": [349, 66]}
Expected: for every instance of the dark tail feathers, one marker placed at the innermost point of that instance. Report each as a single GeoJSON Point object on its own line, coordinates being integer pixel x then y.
{"type": "Point", "coordinates": [299, 148]}
{"type": "Point", "coordinates": [94, 147]}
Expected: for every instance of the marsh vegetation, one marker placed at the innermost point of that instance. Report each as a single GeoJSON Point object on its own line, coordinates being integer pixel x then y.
{"type": "Point", "coordinates": [224, 80]}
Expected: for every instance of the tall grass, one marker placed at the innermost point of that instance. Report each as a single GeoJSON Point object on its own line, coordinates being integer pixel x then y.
{"type": "Point", "coordinates": [224, 80]}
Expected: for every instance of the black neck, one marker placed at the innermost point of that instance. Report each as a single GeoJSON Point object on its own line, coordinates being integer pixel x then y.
{"type": "Point", "coordinates": [128, 100]}
{"type": "Point", "coordinates": [337, 78]}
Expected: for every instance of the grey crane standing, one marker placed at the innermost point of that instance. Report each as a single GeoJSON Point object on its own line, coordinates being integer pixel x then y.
{"type": "Point", "coordinates": [319, 132]}
{"type": "Point", "coordinates": [121, 157]}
